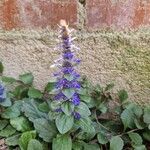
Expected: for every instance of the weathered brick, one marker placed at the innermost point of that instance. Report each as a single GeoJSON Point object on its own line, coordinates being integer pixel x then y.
{"type": "Point", "coordinates": [36, 13]}
{"type": "Point", "coordinates": [97, 13]}
{"type": "Point", "coordinates": [122, 13]}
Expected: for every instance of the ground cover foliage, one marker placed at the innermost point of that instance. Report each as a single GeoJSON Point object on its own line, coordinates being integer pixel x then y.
{"type": "Point", "coordinates": [28, 120]}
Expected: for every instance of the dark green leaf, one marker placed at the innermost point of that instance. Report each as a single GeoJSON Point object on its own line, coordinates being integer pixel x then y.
{"type": "Point", "coordinates": [146, 135]}
{"type": "Point", "coordinates": [6, 103]}
{"type": "Point", "coordinates": [13, 140]}
{"type": "Point", "coordinates": [31, 110]}
{"type": "Point", "coordinates": [34, 93]}
{"type": "Point", "coordinates": [116, 143]}
{"type": "Point", "coordinates": [102, 138]}
{"type": "Point", "coordinates": [46, 130]}
{"type": "Point", "coordinates": [8, 131]}
{"type": "Point", "coordinates": [49, 87]}
{"type": "Point", "coordinates": [34, 145]}
{"type": "Point", "coordinates": [26, 78]}
{"type": "Point", "coordinates": [140, 147]}
{"type": "Point", "coordinates": [139, 124]}
{"type": "Point", "coordinates": [21, 124]}
{"type": "Point", "coordinates": [85, 98]}
{"type": "Point", "coordinates": [13, 111]}
{"type": "Point", "coordinates": [67, 108]}
{"type": "Point", "coordinates": [85, 124]}
{"type": "Point", "coordinates": [44, 107]}
{"type": "Point", "coordinates": [127, 117]}
{"type": "Point", "coordinates": [109, 86]}
{"type": "Point", "coordinates": [77, 146]}
{"type": "Point", "coordinates": [25, 138]}
{"type": "Point", "coordinates": [91, 147]}
{"type": "Point", "coordinates": [8, 79]}
{"type": "Point", "coordinates": [68, 93]}
{"type": "Point", "coordinates": [135, 138]}
{"type": "Point", "coordinates": [64, 123]}
{"type": "Point", "coordinates": [3, 124]}
{"type": "Point", "coordinates": [147, 115]}
{"type": "Point", "coordinates": [123, 95]}
{"type": "Point", "coordinates": [62, 142]}
{"type": "Point", "coordinates": [83, 110]}
{"type": "Point", "coordinates": [1, 68]}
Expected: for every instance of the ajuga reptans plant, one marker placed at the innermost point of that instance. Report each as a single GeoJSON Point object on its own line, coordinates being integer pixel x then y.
{"type": "Point", "coordinates": [67, 86]}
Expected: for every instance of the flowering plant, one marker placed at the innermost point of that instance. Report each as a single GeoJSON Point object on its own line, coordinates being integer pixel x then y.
{"type": "Point", "coordinates": [68, 88]}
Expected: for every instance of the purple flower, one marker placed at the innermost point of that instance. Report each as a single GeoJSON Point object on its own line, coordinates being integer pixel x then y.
{"type": "Point", "coordinates": [76, 99]}
{"type": "Point", "coordinates": [2, 93]}
{"type": "Point", "coordinates": [67, 70]}
{"type": "Point", "coordinates": [59, 96]}
{"type": "Point", "coordinates": [77, 115]}
{"type": "Point", "coordinates": [68, 55]}
{"type": "Point", "coordinates": [58, 110]}
{"type": "Point", "coordinates": [76, 84]}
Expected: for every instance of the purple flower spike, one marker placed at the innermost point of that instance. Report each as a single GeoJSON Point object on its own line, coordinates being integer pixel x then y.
{"type": "Point", "coordinates": [76, 99]}
{"type": "Point", "coordinates": [2, 93]}
{"type": "Point", "coordinates": [67, 77]}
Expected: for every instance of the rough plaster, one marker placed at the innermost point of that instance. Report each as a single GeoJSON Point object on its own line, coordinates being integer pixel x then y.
{"type": "Point", "coordinates": [107, 56]}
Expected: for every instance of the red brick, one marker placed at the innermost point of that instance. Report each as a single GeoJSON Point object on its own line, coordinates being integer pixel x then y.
{"type": "Point", "coordinates": [97, 13]}
{"type": "Point", "coordinates": [123, 13]}
{"type": "Point", "coordinates": [37, 13]}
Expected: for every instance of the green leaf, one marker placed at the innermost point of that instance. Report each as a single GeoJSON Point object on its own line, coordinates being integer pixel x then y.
{"type": "Point", "coordinates": [31, 110]}
{"type": "Point", "coordinates": [109, 86]}
{"type": "Point", "coordinates": [147, 115]}
{"type": "Point", "coordinates": [21, 124]}
{"type": "Point", "coordinates": [91, 147]}
{"type": "Point", "coordinates": [135, 138]}
{"type": "Point", "coordinates": [8, 131]}
{"type": "Point", "coordinates": [140, 147]}
{"type": "Point", "coordinates": [137, 110]}
{"type": "Point", "coordinates": [13, 111]}
{"type": "Point", "coordinates": [8, 79]}
{"type": "Point", "coordinates": [68, 93]}
{"type": "Point", "coordinates": [139, 124]}
{"type": "Point", "coordinates": [69, 77]}
{"type": "Point", "coordinates": [1, 68]}
{"type": "Point", "coordinates": [34, 93]}
{"type": "Point", "coordinates": [85, 98]}
{"type": "Point", "coordinates": [146, 135]}
{"type": "Point", "coordinates": [6, 103]}
{"type": "Point", "coordinates": [83, 110]}
{"type": "Point", "coordinates": [123, 95]}
{"type": "Point", "coordinates": [46, 130]}
{"type": "Point", "coordinates": [85, 124]}
{"type": "Point", "coordinates": [77, 146]}
{"type": "Point", "coordinates": [13, 140]}
{"type": "Point", "coordinates": [49, 87]}
{"type": "Point", "coordinates": [116, 143]}
{"type": "Point", "coordinates": [34, 145]}
{"type": "Point", "coordinates": [3, 124]}
{"type": "Point", "coordinates": [25, 138]}
{"type": "Point", "coordinates": [103, 107]}
{"type": "Point", "coordinates": [43, 107]}
{"type": "Point", "coordinates": [62, 142]}
{"type": "Point", "coordinates": [55, 104]}
{"type": "Point", "coordinates": [26, 78]}
{"type": "Point", "coordinates": [102, 138]}
{"type": "Point", "coordinates": [64, 123]}
{"type": "Point", "coordinates": [67, 108]}
{"type": "Point", "coordinates": [127, 118]}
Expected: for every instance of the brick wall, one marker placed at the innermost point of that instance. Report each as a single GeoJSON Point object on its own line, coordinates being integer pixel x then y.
{"type": "Point", "coordinates": [98, 13]}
